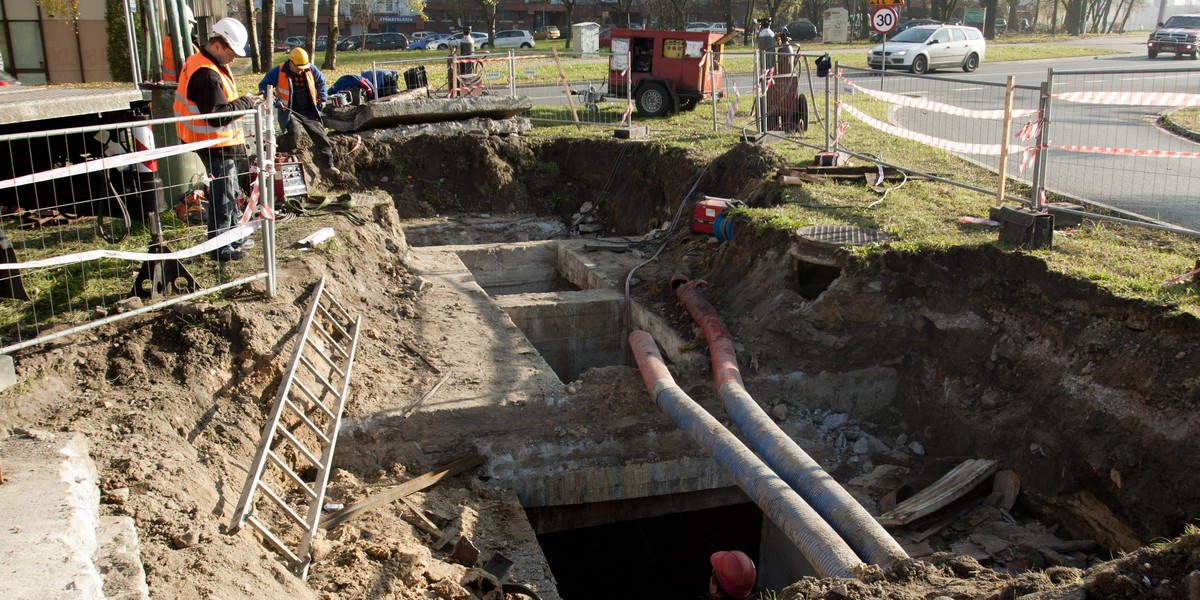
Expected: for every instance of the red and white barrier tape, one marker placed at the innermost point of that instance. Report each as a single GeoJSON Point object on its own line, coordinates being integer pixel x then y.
{"type": "Point", "coordinates": [1128, 152]}
{"type": "Point", "coordinates": [923, 104]}
{"type": "Point", "coordinates": [501, 58]}
{"type": "Point", "coordinates": [233, 235]}
{"type": "Point", "coordinates": [1131, 98]}
{"type": "Point", "coordinates": [628, 113]}
{"type": "Point", "coordinates": [952, 146]}
{"type": "Point", "coordinates": [104, 163]}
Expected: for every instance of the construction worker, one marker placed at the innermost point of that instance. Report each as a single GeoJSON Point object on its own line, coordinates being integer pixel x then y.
{"type": "Point", "coordinates": [301, 89]}
{"type": "Point", "coordinates": [206, 87]}
{"type": "Point", "coordinates": [733, 575]}
{"type": "Point", "coordinates": [168, 51]}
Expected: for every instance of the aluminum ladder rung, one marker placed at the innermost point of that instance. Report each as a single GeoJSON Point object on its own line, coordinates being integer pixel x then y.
{"type": "Point", "coordinates": [274, 541]}
{"type": "Point", "coordinates": [281, 504]}
{"type": "Point", "coordinates": [333, 320]}
{"type": "Point", "coordinates": [313, 397]}
{"type": "Point", "coordinates": [300, 483]}
{"type": "Point", "coordinates": [321, 353]}
{"type": "Point", "coordinates": [329, 338]}
{"type": "Point", "coordinates": [299, 446]}
{"type": "Point", "coordinates": [311, 425]}
{"type": "Point", "coordinates": [315, 373]}
{"type": "Point", "coordinates": [275, 430]}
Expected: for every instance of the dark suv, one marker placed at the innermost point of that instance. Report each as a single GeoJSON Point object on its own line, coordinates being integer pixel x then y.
{"type": "Point", "coordinates": [387, 41]}
{"type": "Point", "coordinates": [1177, 35]}
{"type": "Point", "coordinates": [801, 30]}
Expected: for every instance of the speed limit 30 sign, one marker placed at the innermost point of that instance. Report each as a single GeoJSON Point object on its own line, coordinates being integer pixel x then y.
{"type": "Point", "coordinates": [884, 19]}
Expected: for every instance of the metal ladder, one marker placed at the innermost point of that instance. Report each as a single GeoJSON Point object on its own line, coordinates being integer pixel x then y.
{"type": "Point", "coordinates": [304, 423]}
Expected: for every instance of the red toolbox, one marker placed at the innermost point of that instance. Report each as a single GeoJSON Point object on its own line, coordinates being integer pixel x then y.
{"type": "Point", "coordinates": [706, 212]}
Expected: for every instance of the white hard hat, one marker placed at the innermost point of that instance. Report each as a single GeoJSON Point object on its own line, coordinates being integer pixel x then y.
{"type": "Point", "coordinates": [188, 17]}
{"type": "Point", "coordinates": [234, 33]}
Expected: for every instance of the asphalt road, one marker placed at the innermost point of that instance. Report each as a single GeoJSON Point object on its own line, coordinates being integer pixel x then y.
{"type": "Point", "coordinates": [1161, 188]}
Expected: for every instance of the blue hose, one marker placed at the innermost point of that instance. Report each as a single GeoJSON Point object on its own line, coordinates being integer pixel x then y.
{"type": "Point", "coordinates": [813, 537]}
{"type": "Point", "coordinates": [855, 525]}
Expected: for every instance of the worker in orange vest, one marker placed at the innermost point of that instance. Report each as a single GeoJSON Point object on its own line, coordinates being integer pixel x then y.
{"type": "Point", "coordinates": [168, 52]}
{"type": "Point", "coordinates": [206, 89]}
{"type": "Point", "coordinates": [302, 93]}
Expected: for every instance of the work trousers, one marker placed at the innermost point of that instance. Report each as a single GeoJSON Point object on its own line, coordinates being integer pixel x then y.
{"type": "Point", "coordinates": [223, 213]}
{"type": "Point", "coordinates": [316, 132]}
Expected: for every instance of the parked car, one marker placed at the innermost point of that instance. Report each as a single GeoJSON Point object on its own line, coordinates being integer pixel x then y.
{"type": "Point", "coordinates": [1177, 35]}
{"type": "Point", "coordinates": [547, 32]}
{"type": "Point", "coordinates": [452, 41]}
{"type": "Point", "coordinates": [909, 24]}
{"type": "Point", "coordinates": [387, 41]}
{"type": "Point", "coordinates": [288, 43]}
{"type": "Point", "coordinates": [927, 47]}
{"type": "Point", "coordinates": [429, 43]}
{"type": "Point", "coordinates": [350, 42]}
{"type": "Point", "coordinates": [697, 26]}
{"type": "Point", "coordinates": [719, 28]}
{"type": "Point", "coordinates": [419, 36]}
{"type": "Point", "coordinates": [511, 38]}
{"type": "Point", "coordinates": [321, 42]}
{"type": "Point", "coordinates": [801, 30]}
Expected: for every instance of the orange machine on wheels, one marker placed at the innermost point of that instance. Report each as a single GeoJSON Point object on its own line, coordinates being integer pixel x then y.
{"type": "Point", "coordinates": [668, 71]}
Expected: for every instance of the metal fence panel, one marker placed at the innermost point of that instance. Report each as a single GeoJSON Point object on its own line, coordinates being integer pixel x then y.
{"type": "Point", "coordinates": [96, 215]}
{"type": "Point", "coordinates": [1110, 143]}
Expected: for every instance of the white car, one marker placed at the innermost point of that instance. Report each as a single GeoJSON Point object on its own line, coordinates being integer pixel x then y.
{"type": "Point", "coordinates": [719, 28]}
{"type": "Point", "coordinates": [928, 47]}
{"type": "Point", "coordinates": [511, 38]}
{"type": "Point", "coordinates": [698, 26]}
{"type": "Point", "coordinates": [452, 41]}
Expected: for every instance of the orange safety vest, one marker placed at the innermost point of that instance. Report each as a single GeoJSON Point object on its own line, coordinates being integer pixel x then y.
{"type": "Point", "coordinates": [168, 56]}
{"type": "Point", "coordinates": [200, 129]}
{"type": "Point", "coordinates": [284, 89]}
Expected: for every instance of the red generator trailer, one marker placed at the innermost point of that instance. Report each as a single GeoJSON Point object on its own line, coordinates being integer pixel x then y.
{"type": "Point", "coordinates": [668, 70]}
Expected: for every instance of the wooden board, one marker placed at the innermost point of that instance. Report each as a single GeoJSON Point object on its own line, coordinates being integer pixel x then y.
{"type": "Point", "coordinates": [952, 486]}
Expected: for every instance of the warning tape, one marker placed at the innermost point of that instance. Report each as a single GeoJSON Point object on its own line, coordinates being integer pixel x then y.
{"type": "Point", "coordinates": [949, 109]}
{"type": "Point", "coordinates": [1128, 152]}
{"type": "Point", "coordinates": [104, 163]}
{"type": "Point", "coordinates": [952, 146]}
{"type": "Point", "coordinates": [1131, 98]}
{"type": "Point", "coordinates": [501, 58]}
{"type": "Point", "coordinates": [233, 235]}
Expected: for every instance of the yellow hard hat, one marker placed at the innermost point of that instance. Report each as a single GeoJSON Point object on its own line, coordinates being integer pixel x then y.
{"type": "Point", "coordinates": [299, 57]}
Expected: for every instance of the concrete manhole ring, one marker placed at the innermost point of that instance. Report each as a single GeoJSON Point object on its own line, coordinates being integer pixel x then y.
{"type": "Point", "coordinates": [837, 236]}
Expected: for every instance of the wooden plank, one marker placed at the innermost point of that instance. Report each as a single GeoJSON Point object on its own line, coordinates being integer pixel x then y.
{"type": "Point", "coordinates": [952, 486]}
{"type": "Point", "coordinates": [408, 487]}
{"type": "Point", "coordinates": [422, 521]}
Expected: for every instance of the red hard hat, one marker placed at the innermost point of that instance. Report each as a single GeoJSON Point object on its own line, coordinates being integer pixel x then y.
{"type": "Point", "coordinates": [735, 572]}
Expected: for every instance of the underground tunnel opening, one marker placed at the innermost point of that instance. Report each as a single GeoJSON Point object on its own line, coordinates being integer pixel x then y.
{"type": "Point", "coordinates": [664, 556]}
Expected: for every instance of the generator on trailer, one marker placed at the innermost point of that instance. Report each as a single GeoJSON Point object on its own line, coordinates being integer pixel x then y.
{"type": "Point", "coordinates": [668, 71]}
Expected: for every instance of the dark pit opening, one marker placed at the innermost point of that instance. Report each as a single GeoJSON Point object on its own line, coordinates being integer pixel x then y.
{"type": "Point", "coordinates": [812, 280]}
{"type": "Point", "coordinates": [663, 557]}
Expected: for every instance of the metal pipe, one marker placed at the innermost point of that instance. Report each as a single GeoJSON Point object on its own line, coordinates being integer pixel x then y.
{"type": "Point", "coordinates": [851, 521]}
{"type": "Point", "coordinates": [819, 544]}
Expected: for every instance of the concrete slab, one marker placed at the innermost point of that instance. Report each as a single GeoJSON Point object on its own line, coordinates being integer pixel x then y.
{"type": "Point", "coordinates": [20, 103]}
{"type": "Point", "coordinates": [119, 560]}
{"type": "Point", "coordinates": [407, 110]}
{"type": "Point", "coordinates": [51, 504]}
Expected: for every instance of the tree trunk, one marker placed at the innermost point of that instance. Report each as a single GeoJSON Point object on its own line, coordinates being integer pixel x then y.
{"type": "Point", "coordinates": [748, 24]}
{"type": "Point", "coordinates": [255, 62]}
{"type": "Point", "coordinates": [569, 5]}
{"type": "Point", "coordinates": [310, 31]}
{"type": "Point", "coordinates": [267, 47]}
{"type": "Point", "coordinates": [331, 38]}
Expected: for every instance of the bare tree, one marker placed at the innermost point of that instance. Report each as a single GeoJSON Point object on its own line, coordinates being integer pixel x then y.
{"type": "Point", "coordinates": [489, 17]}
{"type": "Point", "coordinates": [267, 47]}
{"type": "Point", "coordinates": [942, 10]}
{"type": "Point", "coordinates": [815, 10]}
{"type": "Point", "coordinates": [252, 31]}
{"type": "Point", "coordinates": [622, 8]}
{"type": "Point", "coordinates": [569, 5]}
{"type": "Point", "coordinates": [678, 10]}
{"type": "Point", "coordinates": [363, 12]}
{"type": "Point", "coordinates": [775, 7]}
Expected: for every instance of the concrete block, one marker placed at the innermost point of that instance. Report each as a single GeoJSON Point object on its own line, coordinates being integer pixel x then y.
{"type": "Point", "coordinates": [1026, 228]}
{"type": "Point", "coordinates": [8, 373]}
{"type": "Point", "coordinates": [118, 560]}
{"type": "Point", "coordinates": [1064, 219]}
{"type": "Point", "coordinates": [633, 132]}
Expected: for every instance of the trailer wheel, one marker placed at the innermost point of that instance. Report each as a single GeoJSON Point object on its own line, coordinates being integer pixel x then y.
{"type": "Point", "coordinates": [652, 100]}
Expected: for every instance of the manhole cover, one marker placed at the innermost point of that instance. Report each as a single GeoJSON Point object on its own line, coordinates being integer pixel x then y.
{"type": "Point", "coordinates": [836, 236]}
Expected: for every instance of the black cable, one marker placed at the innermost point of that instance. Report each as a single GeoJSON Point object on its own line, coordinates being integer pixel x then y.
{"type": "Point", "coordinates": [629, 276]}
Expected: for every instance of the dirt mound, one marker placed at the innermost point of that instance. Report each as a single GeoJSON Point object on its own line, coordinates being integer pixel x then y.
{"type": "Point", "coordinates": [993, 357]}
